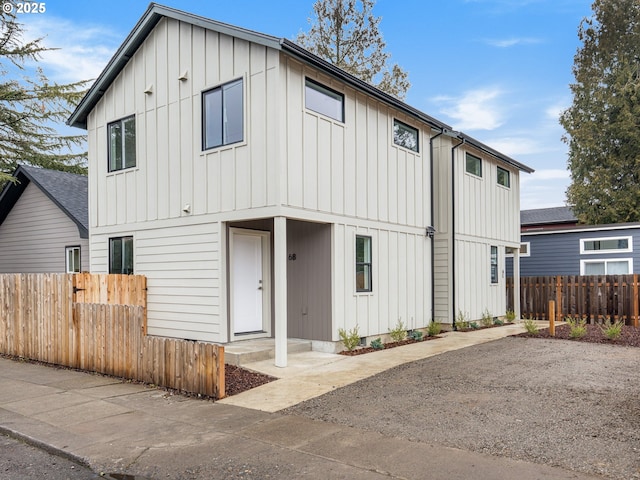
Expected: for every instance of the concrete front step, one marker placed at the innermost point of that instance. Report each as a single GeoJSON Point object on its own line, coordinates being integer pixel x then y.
{"type": "Point", "coordinates": [248, 351]}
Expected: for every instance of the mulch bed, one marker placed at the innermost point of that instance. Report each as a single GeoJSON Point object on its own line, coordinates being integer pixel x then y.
{"type": "Point", "coordinates": [238, 380]}
{"type": "Point", "coordinates": [630, 336]}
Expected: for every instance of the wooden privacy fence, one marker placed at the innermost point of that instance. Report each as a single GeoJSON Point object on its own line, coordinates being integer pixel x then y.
{"type": "Point", "coordinates": [592, 297]}
{"type": "Point", "coordinates": [41, 319]}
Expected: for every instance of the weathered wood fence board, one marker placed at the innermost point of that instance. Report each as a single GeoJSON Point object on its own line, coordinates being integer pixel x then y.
{"type": "Point", "coordinates": [592, 297]}
{"type": "Point", "coordinates": [40, 320]}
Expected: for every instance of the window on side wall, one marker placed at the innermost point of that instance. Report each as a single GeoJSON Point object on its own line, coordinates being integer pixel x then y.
{"type": "Point", "coordinates": [618, 266]}
{"type": "Point", "coordinates": [121, 255]}
{"type": "Point", "coordinates": [73, 259]}
{"type": "Point", "coordinates": [494, 264]}
{"type": "Point", "coordinates": [223, 115]}
{"type": "Point", "coordinates": [504, 177]}
{"type": "Point", "coordinates": [323, 100]}
{"type": "Point", "coordinates": [605, 245]}
{"type": "Point", "coordinates": [122, 143]}
{"type": "Point", "coordinates": [473, 165]}
{"type": "Point", "coordinates": [363, 264]}
{"type": "Point", "coordinates": [405, 135]}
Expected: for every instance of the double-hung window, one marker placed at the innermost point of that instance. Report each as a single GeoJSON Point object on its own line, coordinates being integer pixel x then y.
{"type": "Point", "coordinates": [323, 100]}
{"type": "Point", "coordinates": [122, 143]}
{"type": "Point", "coordinates": [121, 255]}
{"type": "Point", "coordinates": [223, 115]}
{"type": "Point", "coordinates": [73, 259]}
{"type": "Point", "coordinates": [405, 135]}
{"type": "Point", "coordinates": [363, 264]}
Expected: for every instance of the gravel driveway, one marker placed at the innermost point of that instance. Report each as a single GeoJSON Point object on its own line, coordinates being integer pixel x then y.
{"type": "Point", "coordinates": [561, 403]}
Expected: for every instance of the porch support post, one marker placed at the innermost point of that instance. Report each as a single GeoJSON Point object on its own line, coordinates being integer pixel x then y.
{"type": "Point", "coordinates": [280, 286]}
{"type": "Point", "coordinates": [516, 282]}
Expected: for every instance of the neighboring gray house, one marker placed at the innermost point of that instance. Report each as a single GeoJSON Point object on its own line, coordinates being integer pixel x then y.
{"type": "Point", "coordinates": [266, 193]}
{"type": "Point", "coordinates": [553, 243]}
{"type": "Point", "coordinates": [44, 222]}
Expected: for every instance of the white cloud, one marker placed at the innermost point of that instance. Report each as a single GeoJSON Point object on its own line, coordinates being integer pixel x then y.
{"type": "Point", "coordinates": [81, 51]}
{"type": "Point", "coordinates": [474, 110]}
{"type": "Point", "coordinates": [510, 42]}
{"type": "Point", "coordinates": [516, 146]}
{"type": "Point", "coordinates": [544, 188]}
{"type": "Point", "coordinates": [546, 175]}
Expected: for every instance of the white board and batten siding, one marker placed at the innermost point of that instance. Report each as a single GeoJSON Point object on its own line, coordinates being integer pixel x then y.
{"type": "Point", "coordinates": [180, 252]}
{"type": "Point", "coordinates": [35, 234]}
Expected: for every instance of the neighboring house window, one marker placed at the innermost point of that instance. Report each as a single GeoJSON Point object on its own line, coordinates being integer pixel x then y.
{"type": "Point", "coordinates": [405, 136]}
{"type": "Point", "coordinates": [363, 264]}
{"type": "Point", "coordinates": [323, 100]}
{"type": "Point", "coordinates": [121, 255]}
{"type": "Point", "coordinates": [122, 143]}
{"type": "Point", "coordinates": [222, 115]}
{"type": "Point", "coordinates": [494, 264]}
{"type": "Point", "coordinates": [524, 250]}
{"type": "Point", "coordinates": [473, 165]}
{"type": "Point", "coordinates": [605, 245]}
{"type": "Point", "coordinates": [617, 266]}
{"type": "Point", "coordinates": [504, 177]}
{"type": "Point", "coordinates": [73, 259]}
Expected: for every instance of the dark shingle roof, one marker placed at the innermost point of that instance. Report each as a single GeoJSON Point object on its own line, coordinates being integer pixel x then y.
{"type": "Point", "coordinates": [553, 215]}
{"type": "Point", "coordinates": [68, 191]}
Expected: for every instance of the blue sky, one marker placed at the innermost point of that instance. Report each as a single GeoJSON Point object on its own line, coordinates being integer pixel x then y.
{"type": "Point", "coordinates": [499, 70]}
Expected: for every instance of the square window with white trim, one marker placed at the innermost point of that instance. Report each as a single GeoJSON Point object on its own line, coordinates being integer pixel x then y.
{"type": "Point", "coordinates": [614, 266]}
{"type": "Point", "coordinates": [473, 165]}
{"type": "Point", "coordinates": [405, 135]}
{"type": "Point", "coordinates": [324, 100]}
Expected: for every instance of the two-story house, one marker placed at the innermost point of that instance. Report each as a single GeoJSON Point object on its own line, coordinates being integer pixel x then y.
{"type": "Point", "coordinates": [266, 193]}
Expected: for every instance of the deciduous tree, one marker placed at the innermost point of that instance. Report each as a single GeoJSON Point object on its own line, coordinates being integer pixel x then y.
{"type": "Point", "coordinates": [347, 34]}
{"type": "Point", "coordinates": [603, 123]}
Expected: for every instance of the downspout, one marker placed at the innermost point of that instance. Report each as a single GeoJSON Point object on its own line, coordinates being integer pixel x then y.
{"type": "Point", "coordinates": [453, 231]}
{"type": "Point", "coordinates": [432, 215]}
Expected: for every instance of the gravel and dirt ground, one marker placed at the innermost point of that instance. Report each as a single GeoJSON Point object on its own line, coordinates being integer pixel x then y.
{"type": "Point", "coordinates": [558, 402]}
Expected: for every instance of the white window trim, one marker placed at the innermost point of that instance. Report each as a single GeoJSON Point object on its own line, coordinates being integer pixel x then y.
{"type": "Point", "coordinates": [66, 258]}
{"type": "Point", "coordinates": [583, 263]}
{"type": "Point", "coordinates": [528, 254]}
{"type": "Point", "coordinates": [602, 252]}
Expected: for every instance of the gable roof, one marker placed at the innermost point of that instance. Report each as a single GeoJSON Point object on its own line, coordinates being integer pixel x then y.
{"type": "Point", "coordinates": [68, 191]}
{"type": "Point", "coordinates": [546, 216]}
{"type": "Point", "coordinates": [156, 12]}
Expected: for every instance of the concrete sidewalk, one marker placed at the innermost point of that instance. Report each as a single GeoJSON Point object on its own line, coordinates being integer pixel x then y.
{"type": "Point", "coordinates": [118, 427]}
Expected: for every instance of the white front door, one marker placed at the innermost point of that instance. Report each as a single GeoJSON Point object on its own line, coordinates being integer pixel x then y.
{"type": "Point", "coordinates": [249, 272]}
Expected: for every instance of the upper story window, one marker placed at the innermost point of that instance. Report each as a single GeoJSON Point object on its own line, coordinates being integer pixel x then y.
{"type": "Point", "coordinates": [223, 115]}
{"type": "Point", "coordinates": [122, 143]}
{"type": "Point", "coordinates": [504, 178]}
{"type": "Point", "coordinates": [121, 255]}
{"type": "Point", "coordinates": [473, 165]}
{"type": "Point", "coordinates": [605, 245]}
{"type": "Point", "coordinates": [405, 135]}
{"type": "Point", "coordinates": [323, 100]}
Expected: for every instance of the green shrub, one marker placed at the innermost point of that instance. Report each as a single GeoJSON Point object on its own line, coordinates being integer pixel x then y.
{"type": "Point", "coordinates": [498, 322]}
{"type": "Point", "coordinates": [398, 333]}
{"type": "Point", "coordinates": [474, 325]}
{"type": "Point", "coordinates": [350, 339]}
{"type": "Point", "coordinates": [462, 321]}
{"type": "Point", "coordinates": [416, 335]}
{"type": "Point", "coordinates": [377, 344]}
{"type": "Point", "coordinates": [577, 327]}
{"type": "Point", "coordinates": [433, 329]}
{"type": "Point", "coordinates": [510, 316]}
{"type": "Point", "coordinates": [530, 326]}
{"type": "Point", "coordinates": [612, 331]}
{"type": "Point", "coordinates": [487, 318]}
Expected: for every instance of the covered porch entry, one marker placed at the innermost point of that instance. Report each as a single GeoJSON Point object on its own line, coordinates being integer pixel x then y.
{"type": "Point", "coordinates": [279, 282]}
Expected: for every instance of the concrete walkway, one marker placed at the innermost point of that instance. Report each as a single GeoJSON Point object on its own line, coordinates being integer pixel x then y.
{"type": "Point", "coordinates": [118, 427]}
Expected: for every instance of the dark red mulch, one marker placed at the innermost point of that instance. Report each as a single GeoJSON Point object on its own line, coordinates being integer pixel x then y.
{"type": "Point", "coordinates": [363, 350]}
{"type": "Point", "coordinates": [630, 336]}
{"type": "Point", "coordinates": [237, 379]}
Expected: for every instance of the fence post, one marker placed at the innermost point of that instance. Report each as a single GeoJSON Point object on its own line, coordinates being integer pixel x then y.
{"type": "Point", "coordinates": [559, 284]}
{"type": "Point", "coordinates": [552, 318]}
{"type": "Point", "coordinates": [634, 322]}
